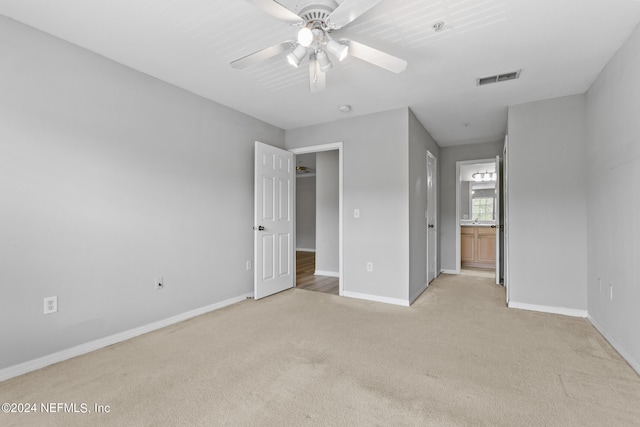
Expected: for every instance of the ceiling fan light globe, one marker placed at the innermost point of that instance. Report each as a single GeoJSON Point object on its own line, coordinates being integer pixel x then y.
{"type": "Point", "coordinates": [293, 60]}
{"type": "Point", "coordinates": [323, 61]}
{"type": "Point", "coordinates": [297, 55]}
{"type": "Point", "coordinates": [326, 67]}
{"type": "Point", "coordinates": [305, 37]}
{"type": "Point", "coordinates": [338, 50]}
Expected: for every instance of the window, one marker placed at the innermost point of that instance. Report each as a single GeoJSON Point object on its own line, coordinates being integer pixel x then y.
{"type": "Point", "coordinates": [482, 208]}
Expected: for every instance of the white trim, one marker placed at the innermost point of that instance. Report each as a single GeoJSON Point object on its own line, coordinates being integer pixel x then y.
{"type": "Point", "coordinates": [626, 356]}
{"type": "Point", "coordinates": [50, 359]}
{"type": "Point", "coordinates": [505, 219]}
{"type": "Point", "coordinates": [436, 223]}
{"type": "Point", "coordinates": [305, 250]}
{"type": "Point", "coordinates": [573, 312]}
{"type": "Point", "coordinates": [447, 271]}
{"type": "Point", "coordinates": [327, 273]}
{"type": "Point", "coordinates": [317, 148]}
{"type": "Point", "coordinates": [394, 301]}
{"type": "Point", "coordinates": [417, 294]}
{"type": "Point", "coordinates": [330, 147]}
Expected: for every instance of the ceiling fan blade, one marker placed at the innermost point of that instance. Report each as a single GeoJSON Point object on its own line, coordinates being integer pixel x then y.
{"type": "Point", "coordinates": [317, 79]}
{"type": "Point", "coordinates": [277, 10]}
{"type": "Point", "coordinates": [348, 11]}
{"type": "Point", "coordinates": [263, 54]}
{"type": "Point", "coordinates": [375, 56]}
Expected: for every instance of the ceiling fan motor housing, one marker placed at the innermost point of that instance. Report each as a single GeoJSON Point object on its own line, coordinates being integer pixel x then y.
{"type": "Point", "coordinates": [316, 11]}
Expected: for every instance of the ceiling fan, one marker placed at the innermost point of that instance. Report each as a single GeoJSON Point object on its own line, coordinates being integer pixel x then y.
{"type": "Point", "coordinates": [316, 20]}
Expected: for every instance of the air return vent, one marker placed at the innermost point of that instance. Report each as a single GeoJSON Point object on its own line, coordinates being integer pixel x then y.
{"type": "Point", "coordinates": [498, 78]}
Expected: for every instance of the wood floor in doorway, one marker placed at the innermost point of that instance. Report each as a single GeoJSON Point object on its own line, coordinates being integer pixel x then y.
{"type": "Point", "coordinates": [305, 279]}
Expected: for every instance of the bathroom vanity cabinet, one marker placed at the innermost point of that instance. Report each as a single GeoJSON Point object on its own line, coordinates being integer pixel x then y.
{"type": "Point", "coordinates": [478, 246]}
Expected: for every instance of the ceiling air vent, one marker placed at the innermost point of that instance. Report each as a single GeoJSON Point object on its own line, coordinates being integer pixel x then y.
{"type": "Point", "coordinates": [498, 78]}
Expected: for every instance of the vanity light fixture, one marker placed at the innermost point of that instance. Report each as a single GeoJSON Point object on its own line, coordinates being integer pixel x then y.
{"type": "Point", "coordinates": [484, 176]}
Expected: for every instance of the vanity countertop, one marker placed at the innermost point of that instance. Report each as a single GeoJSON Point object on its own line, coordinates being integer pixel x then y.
{"type": "Point", "coordinates": [477, 225]}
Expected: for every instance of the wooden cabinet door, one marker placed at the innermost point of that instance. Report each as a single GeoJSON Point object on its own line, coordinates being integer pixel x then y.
{"type": "Point", "coordinates": [486, 245]}
{"type": "Point", "coordinates": [467, 244]}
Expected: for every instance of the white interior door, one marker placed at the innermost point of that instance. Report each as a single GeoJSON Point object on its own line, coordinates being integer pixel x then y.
{"type": "Point", "coordinates": [497, 212]}
{"type": "Point", "coordinates": [274, 189]}
{"type": "Point", "coordinates": [432, 210]}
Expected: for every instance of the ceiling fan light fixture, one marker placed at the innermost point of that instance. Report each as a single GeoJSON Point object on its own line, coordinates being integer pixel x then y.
{"type": "Point", "coordinates": [323, 61]}
{"type": "Point", "coordinates": [297, 55]}
{"type": "Point", "coordinates": [305, 37]}
{"type": "Point", "coordinates": [338, 50]}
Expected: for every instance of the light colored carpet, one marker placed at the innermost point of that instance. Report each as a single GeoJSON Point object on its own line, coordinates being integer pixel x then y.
{"type": "Point", "coordinates": [456, 357]}
{"type": "Point", "coordinates": [478, 272]}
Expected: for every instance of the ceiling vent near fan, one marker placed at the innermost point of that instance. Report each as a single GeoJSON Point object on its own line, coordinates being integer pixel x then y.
{"type": "Point", "coordinates": [498, 78]}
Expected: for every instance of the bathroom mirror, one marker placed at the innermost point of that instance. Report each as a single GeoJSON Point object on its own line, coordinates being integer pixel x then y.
{"type": "Point", "coordinates": [477, 193]}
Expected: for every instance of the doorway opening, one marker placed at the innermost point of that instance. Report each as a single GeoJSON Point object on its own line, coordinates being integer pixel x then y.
{"type": "Point", "coordinates": [478, 218]}
{"type": "Point", "coordinates": [318, 237]}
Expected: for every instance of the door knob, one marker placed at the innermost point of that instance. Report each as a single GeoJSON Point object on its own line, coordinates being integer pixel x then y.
{"type": "Point", "coordinates": [430, 226]}
{"type": "Point", "coordinates": [259, 228]}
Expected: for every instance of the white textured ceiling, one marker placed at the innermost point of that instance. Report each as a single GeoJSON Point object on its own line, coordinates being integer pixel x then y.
{"type": "Point", "coordinates": [560, 45]}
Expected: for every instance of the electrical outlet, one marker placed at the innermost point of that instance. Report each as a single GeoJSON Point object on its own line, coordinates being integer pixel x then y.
{"type": "Point", "coordinates": [600, 284]}
{"type": "Point", "coordinates": [369, 267]}
{"type": "Point", "coordinates": [248, 265]}
{"type": "Point", "coordinates": [159, 283]}
{"type": "Point", "coordinates": [610, 292]}
{"type": "Point", "coordinates": [356, 213]}
{"type": "Point", "coordinates": [50, 305]}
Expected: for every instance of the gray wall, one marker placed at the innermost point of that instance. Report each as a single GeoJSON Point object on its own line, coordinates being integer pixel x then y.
{"type": "Point", "coordinates": [447, 165]}
{"type": "Point", "coordinates": [419, 142]}
{"type": "Point", "coordinates": [306, 212]}
{"type": "Point", "coordinates": [111, 178]}
{"type": "Point", "coordinates": [375, 180]}
{"type": "Point", "coordinates": [613, 194]}
{"type": "Point", "coordinates": [327, 212]}
{"type": "Point", "coordinates": [548, 203]}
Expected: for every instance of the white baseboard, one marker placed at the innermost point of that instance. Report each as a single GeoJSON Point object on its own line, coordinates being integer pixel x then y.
{"type": "Point", "coordinates": [573, 312]}
{"type": "Point", "coordinates": [41, 362]}
{"type": "Point", "coordinates": [326, 273]}
{"type": "Point", "coordinates": [626, 356]}
{"type": "Point", "coordinates": [394, 301]}
{"type": "Point", "coordinates": [305, 250]}
{"type": "Point", "coordinates": [449, 271]}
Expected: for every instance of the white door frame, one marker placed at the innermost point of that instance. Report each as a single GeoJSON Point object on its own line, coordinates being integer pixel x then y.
{"type": "Point", "coordinates": [497, 213]}
{"type": "Point", "coordinates": [317, 149]}
{"type": "Point", "coordinates": [505, 219]}
{"type": "Point", "coordinates": [458, 229]}
{"type": "Point", "coordinates": [435, 218]}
